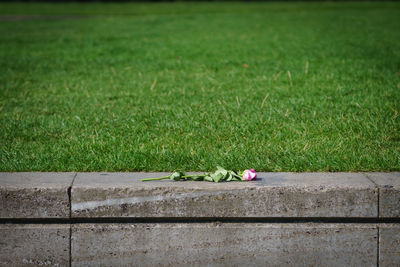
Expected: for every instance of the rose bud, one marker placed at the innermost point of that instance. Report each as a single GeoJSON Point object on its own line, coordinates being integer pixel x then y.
{"type": "Point", "coordinates": [249, 175]}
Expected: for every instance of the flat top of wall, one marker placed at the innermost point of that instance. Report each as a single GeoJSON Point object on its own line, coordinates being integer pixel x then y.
{"type": "Point", "coordinates": [36, 179]}
{"type": "Point", "coordinates": [264, 179]}
{"type": "Point", "coordinates": [385, 179]}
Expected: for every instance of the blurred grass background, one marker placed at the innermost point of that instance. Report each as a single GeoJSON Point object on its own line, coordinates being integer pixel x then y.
{"type": "Point", "coordinates": [166, 86]}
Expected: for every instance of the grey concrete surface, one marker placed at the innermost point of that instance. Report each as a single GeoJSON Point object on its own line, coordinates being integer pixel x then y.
{"type": "Point", "coordinates": [389, 245]}
{"type": "Point", "coordinates": [233, 244]}
{"type": "Point", "coordinates": [389, 193]}
{"type": "Point", "coordinates": [35, 195]}
{"type": "Point", "coordinates": [30, 196]}
{"type": "Point", "coordinates": [34, 245]}
{"type": "Point", "coordinates": [272, 195]}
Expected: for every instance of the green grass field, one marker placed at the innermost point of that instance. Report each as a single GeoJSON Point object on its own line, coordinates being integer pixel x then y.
{"type": "Point", "coordinates": [160, 87]}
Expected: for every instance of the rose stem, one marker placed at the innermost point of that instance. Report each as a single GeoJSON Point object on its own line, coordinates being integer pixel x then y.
{"type": "Point", "coordinates": [153, 179]}
{"type": "Point", "coordinates": [190, 176]}
{"type": "Point", "coordinates": [167, 177]}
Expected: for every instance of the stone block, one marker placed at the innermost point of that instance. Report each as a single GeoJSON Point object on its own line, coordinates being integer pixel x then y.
{"type": "Point", "coordinates": [271, 195]}
{"type": "Point", "coordinates": [35, 195]}
{"type": "Point", "coordinates": [224, 244]}
{"type": "Point", "coordinates": [389, 245]}
{"type": "Point", "coordinates": [34, 245]}
{"type": "Point", "coordinates": [389, 193]}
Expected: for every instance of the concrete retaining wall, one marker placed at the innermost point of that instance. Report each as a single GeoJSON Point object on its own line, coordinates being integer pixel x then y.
{"type": "Point", "coordinates": [114, 219]}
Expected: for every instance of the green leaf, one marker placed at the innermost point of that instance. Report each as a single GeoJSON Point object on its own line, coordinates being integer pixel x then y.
{"type": "Point", "coordinates": [235, 174]}
{"type": "Point", "coordinates": [208, 178]}
{"type": "Point", "coordinates": [217, 176]}
{"type": "Point", "coordinates": [176, 176]}
{"type": "Point", "coordinates": [197, 178]}
{"type": "Point", "coordinates": [221, 172]}
{"type": "Point", "coordinates": [219, 168]}
{"type": "Point", "coordinates": [224, 173]}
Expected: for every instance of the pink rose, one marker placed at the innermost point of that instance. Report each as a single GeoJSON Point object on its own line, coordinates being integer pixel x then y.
{"type": "Point", "coordinates": [249, 175]}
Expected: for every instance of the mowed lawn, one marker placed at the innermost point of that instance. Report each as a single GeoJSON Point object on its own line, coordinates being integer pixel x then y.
{"type": "Point", "coordinates": [184, 86]}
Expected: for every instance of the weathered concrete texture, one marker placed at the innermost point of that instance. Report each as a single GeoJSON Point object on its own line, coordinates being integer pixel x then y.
{"type": "Point", "coordinates": [34, 245]}
{"type": "Point", "coordinates": [232, 244]}
{"type": "Point", "coordinates": [272, 195]}
{"type": "Point", "coordinates": [35, 195]}
{"type": "Point", "coordinates": [389, 245]}
{"type": "Point", "coordinates": [389, 193]}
